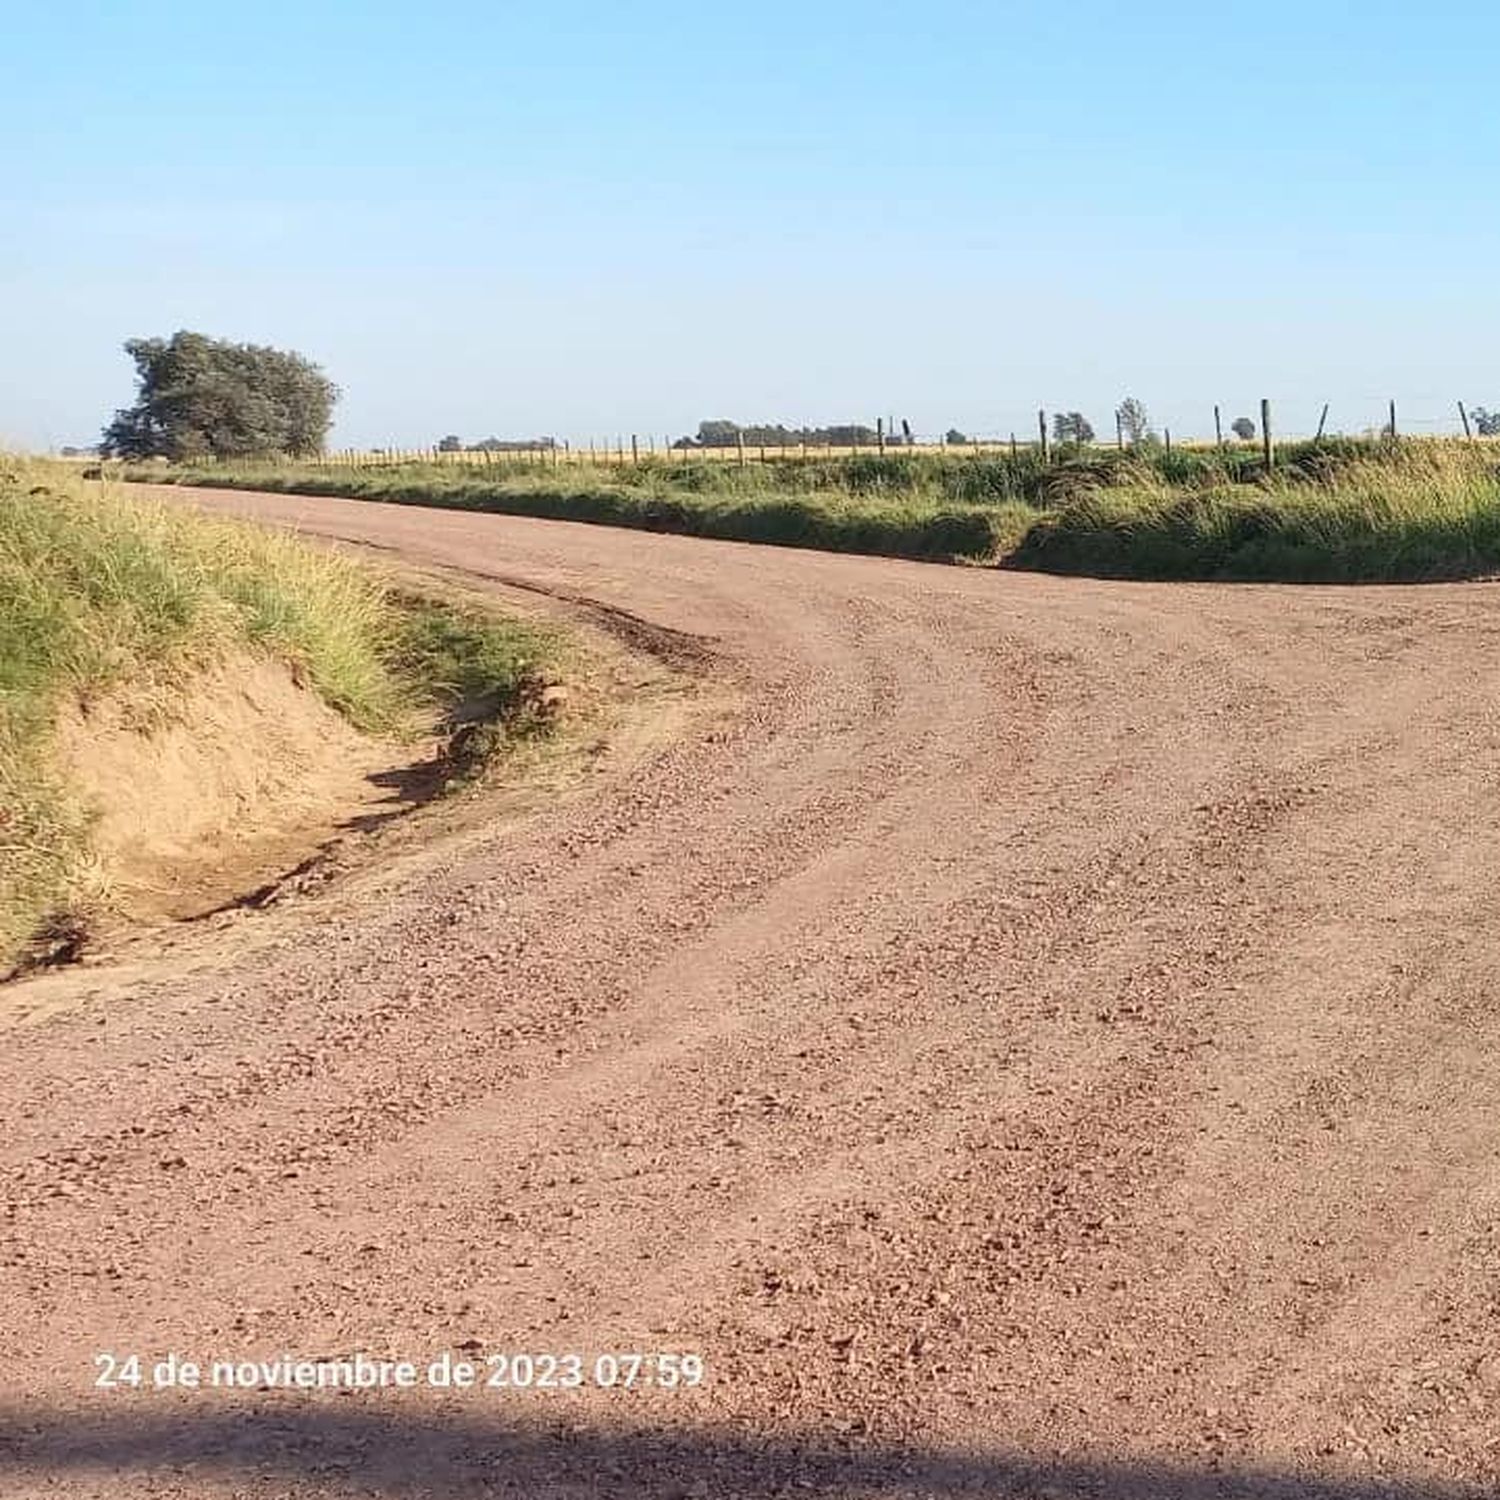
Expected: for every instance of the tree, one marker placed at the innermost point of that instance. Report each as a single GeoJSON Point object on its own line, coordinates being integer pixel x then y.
{"type": "Point", "coordinates": [955, 438]}
{"type": "Point", "coordinates": [718, 434]}
{"type": "Point", "coordinates": [199, 397]}
{"type": "Point", "coordinates": [1485, 423]}
{"type": "Point", "coordinates": [1072, 427]}
{"type": "Point", "coordinates": [451, 444]}
{"type": "Point", "coordinates": [1134, 423]}
{"type": "Point", "coordinates": [725, 434]}
{"type": "Point", "coordinates": [1243, 428]}
{"type": "Point", "coordinates": [515, 445]}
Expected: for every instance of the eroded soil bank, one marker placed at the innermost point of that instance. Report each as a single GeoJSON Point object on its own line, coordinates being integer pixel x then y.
{"type": "Point", "coordinates": [217, 787]}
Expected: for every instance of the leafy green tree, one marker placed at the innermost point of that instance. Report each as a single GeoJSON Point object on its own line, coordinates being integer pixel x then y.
{"type": "Point", "coordinates": [1134, 422]}
{"type": "Point", "coordinates": [199, 397]}
{"type": "Point", "coordinates": [1072, 427]}
{"type": "Point", "coordinates": [451, 444]}
{"type": "Point", "coordinates": [955, 438]}
{"type": "Point", "coordinates": [1485, 423]}
{"type": "Point", "coordinates": [1243, 428]}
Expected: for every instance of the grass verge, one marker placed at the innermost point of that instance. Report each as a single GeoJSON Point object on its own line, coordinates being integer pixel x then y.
{"type": "Point", "coordinates": [690, 500]}
{"type": "Point", "coordinates": [1341, 510]}
{"type": "Point", "coordinates": [102, 593]}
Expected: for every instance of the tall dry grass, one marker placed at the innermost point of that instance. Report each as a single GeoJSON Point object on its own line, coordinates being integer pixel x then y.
{"type": "Point", "coordinates": [104, 592]}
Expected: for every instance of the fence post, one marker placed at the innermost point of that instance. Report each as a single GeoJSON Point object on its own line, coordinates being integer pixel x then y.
{"type": "Point", "coordinates": [1167, 434]}
{"type": "Point", "coordinates": [1218, 427]}
{"type": "Point", "coordinates": [635, 450]}
{"type": "Point", "coordinates": [739, 441]}
{"type": "Point", "coordinates": [1322, 418]}
{"type": "Point", "coordinates": [1119, 430]}
{"type": "Point", "coordinates": [880, 434]}
{"type": "Point", "coordinates": [1463, 417]}
{"type": "Point", "coordinates": [1268, 448]}
{"type": "Point", "coordinates": [1041, 425]}
{"type": "Point", "coordinates": [1393, 421]}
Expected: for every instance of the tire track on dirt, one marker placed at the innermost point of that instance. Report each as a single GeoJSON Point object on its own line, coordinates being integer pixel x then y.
{"type": "Point", "coordinates": [1035, 1018]}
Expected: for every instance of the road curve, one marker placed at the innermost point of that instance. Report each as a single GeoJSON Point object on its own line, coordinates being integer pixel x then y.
{"type": "Point", "coordinates": [1044, 1038]}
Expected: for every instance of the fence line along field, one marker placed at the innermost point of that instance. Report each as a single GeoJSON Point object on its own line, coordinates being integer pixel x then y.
{"type": "Point", "coordinates": [1051, 431]}
{"type": "Point", "coordinates": [1336, 509]}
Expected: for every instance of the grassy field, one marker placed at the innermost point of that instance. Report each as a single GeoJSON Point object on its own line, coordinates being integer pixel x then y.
{"type": "Point", "coordinates": [102, 593]}
{"type": "Point", "coordinates": [1339, 510]}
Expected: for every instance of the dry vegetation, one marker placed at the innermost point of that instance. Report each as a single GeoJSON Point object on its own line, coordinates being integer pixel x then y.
{"type": "Point", "coordinates": [105, 597]}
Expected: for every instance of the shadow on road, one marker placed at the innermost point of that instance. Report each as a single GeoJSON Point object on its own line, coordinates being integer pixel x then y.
{"type": "Point", "coordinates": [323, 1450]}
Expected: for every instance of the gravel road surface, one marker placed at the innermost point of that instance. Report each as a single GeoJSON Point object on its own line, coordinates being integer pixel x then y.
{"type": "Point", "coordinates": [1028, 1036]}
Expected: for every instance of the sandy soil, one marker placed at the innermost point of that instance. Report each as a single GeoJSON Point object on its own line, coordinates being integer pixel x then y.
{"type": "Point", "coordinates": [1042, 1040]}
{"type": "Point", "coordinates": [204, 792]}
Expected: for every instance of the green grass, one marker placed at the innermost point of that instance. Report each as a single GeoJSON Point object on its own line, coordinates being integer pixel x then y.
{"type": "Point", "coordinates": [1417, 514]}
{"type": "Point", "coordinates": [105, 593]}
{"type": "Point", "coordinates": [1337, 510]}
{"type": "Point", "coordinates": [696, 500]}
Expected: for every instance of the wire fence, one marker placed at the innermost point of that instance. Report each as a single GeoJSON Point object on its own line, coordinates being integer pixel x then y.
{"type": "Point", "coordinates": [1222, 426]}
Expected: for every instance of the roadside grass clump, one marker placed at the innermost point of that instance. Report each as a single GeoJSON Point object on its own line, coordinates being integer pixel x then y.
{"type": "Point", "coordinates": [1417, 515]}
{"type": "Point", "coordinates": [104, 593]}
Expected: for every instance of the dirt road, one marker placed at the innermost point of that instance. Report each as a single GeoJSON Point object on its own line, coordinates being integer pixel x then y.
{"type": "Point", "coordinates": [1043, 1039]}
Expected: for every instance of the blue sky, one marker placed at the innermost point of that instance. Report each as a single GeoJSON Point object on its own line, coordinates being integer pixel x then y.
{"type": "Point", "coordinates": [589, 219]}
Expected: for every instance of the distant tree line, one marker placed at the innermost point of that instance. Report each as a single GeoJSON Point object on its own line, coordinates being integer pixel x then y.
{"type": "Point", "coordinates": [455, 444]}
{"type": "Point", "coordinates": [722, 434]}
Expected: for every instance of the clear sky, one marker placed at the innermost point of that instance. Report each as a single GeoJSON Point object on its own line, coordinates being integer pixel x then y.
{"type": "Point", "coordinates": [589, 219]}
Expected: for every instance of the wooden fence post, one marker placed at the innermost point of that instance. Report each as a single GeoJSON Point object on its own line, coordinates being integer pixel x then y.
{"type": "Point", "coordinates": [635, 450]}
{"type": "Point", "coordinates": [880, 435]}
{"type": "Point", "coordinates": [1268, 448]}
{"type": "Point", "coordinates": [1322, 418]}
{"type": "Point", "coordinates": [739, 439]}
{"type": "Point", "coordinates": [1463, 417]}
{"type": "Point", "coordinates": [1218, 427]}
{"type": "Point", "coordinates": [1393, 421]}
{"type": "Point", "coordinates": [1041, 425]}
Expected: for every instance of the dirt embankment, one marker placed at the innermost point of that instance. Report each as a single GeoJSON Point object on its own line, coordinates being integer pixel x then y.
{"type": "Point", "coordinates": [1040, 1040]}
{"type": "Point", "coordinates": [188, 705]}
{"type": "Point", "coordinates": [216, 787]}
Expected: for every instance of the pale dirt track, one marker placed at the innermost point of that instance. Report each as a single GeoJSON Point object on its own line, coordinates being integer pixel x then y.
{"type": "Point", "coordinates": [1045, 1039]}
